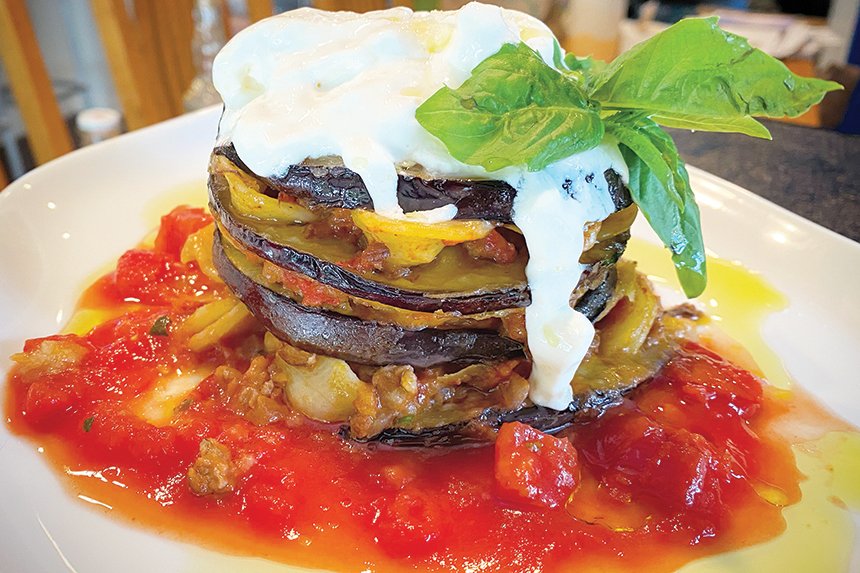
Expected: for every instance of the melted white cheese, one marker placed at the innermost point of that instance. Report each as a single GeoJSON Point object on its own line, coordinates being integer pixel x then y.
{"type": "Point", "coordinates": [310, 84]}
{"type": "Point", "coordinates": [551, 209]}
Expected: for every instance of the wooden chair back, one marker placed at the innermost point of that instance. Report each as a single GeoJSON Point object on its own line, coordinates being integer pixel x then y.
{"type": "Point", "coordinates": [46, 130]}
{"type": "Point", "coordinates": [259, 9]}
{"type": "Point", "coordinates": [150, 55]}
{"type": "Point", "coordinates": [351, 5]}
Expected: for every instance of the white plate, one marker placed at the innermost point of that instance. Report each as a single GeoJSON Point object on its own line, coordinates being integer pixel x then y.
{"type": "Point", "coordinates": [61, 224]}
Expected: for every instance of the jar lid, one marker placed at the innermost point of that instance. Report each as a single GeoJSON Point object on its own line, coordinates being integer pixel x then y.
{"type": "Point", "coordinates": [98, 119]}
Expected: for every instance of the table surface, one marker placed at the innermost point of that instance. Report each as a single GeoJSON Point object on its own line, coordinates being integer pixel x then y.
{"type": "Point", "coordinates": [813, 172]}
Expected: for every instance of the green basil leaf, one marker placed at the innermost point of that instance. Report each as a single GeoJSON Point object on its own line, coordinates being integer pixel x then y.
{"type": "Point", "coordinates": [586, 70]}
{"type": "Point", "coordinates": [586, 65]}
{"type": "Point", "coordinates": [677, 225]}
{"type": "Point", "coordinates": [513, 110]}
{"type": "Point", "coordinates": [88, 424]}
{"type": "Point", "coordinates": [637, 133]}
{"type": "Point", "coordinates": [695, 69]}
{"type": "Point", "coordinates": [745, 125]}
{"type": "Point", "coordinates": [558, 57]}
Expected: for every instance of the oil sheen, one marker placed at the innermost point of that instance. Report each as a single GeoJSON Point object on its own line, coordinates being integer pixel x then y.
{"type": "Point", "coordinates": [819, 533]}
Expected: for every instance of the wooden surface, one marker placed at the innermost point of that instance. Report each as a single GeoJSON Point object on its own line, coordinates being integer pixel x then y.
{"type": "Point", "coordinates": [142, 92]}
{"type": "Point", "coordinates": [167, 28]}
{"type": "Point", "coordinates": [351, 5]}
{"type": "Point", "coordinates": [47, 131]}
{"type": "Point", "coordinates": [150, 55]}
{"type": "Point", "coordinates": [259, 9]}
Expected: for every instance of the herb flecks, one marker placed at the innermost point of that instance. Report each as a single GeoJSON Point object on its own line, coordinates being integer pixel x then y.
{"type": "Point", "coordinates": [159, 327]}
{"type": "Point", "coordinates": [88, 424]}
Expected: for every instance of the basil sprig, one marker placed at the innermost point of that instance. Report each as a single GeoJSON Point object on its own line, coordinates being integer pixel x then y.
{"type": "Point", "coordinates": [698, 76]}
{"type": "Point", "coordinates": [515, 109]}
{"type": "Point", "coordinates": [657, 174]}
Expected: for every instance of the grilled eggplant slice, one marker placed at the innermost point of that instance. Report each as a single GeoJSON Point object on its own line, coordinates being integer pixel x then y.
{"type": "Point", "coordinates": [476, 430]}
{"type": "Point", "coordinates": [257, 238]}
{"type": "Point", "coordinates": [511, 290]}
{"type": "Point", "coordinates": [636, 337]}
{"type": "Point", "coordinates": [356, 340]}
{"type": "Point", "coordinates": [338, 186]}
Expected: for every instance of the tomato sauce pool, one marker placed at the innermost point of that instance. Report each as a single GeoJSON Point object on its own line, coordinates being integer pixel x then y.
{"type": "Point", "coordinates": [687, 466]}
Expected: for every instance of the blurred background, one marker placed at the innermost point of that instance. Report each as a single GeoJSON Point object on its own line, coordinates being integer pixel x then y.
{"type": "Point", "coordinates": [74, 72]}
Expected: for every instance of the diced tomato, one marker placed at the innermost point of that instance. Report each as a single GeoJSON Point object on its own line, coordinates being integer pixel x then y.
{"type": "Point", "coordinates": [114, 433]}
{"type": "Point", "coordinates": [126, 355]}
{"type": "Point", "coordinates": [534, 469]}
{"type": "Point", "coordinates": [372, 258]}
{"type": "Point", "coordinates": [638, 460]}
{"type": "Point", "coordinates": [47, 402]}
{"type": "Point", "coordinates": [141, 274]}
{"type": "Point", "coordinates": [156, 278]}
{"type": "Point", "coordinates": [176, 226]}
{"type": "Point", "coordinates": [709, 396]}
{"type": "Point", "coordinates": [681, 446]}
{"type": "Point", "coordinates": [494, 247]}
{"type": "Point", "coordinates": [715, 383]}
{"type": "Point", "coordinates": [270, 500]}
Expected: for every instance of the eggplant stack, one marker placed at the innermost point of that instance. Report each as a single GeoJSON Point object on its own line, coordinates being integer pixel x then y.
{"type": "Point", "coordinates": [411, 333]}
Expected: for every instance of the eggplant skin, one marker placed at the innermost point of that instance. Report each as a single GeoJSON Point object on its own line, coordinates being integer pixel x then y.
{"type": "Point", "coordinates": [593, 301]}
{"type": "Point", "coordinates": [344, 280]}
{"type": "Point", "coordinates": [356, 340]}
{"type": "Point", "coordinates": [590, 304]}
{"type": "Point", "coordinates": [338, 186]}
{"type": "Point", "coordinates": [464, 433]}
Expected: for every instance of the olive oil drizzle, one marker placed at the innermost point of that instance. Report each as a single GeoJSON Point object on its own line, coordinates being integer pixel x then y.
{"type": "Point", "coordinates": [819, 532]}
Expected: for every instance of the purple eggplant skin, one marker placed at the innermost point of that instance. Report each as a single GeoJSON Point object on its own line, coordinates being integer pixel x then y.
{"type": "Point", "coordinates": [341, 187]}
{"type": "Point", "coordinates": [353, 284]}
{"type": "Point", "coordinates": [591, 303]}
{"type": "Point", "coordinates": [356, 340]}
{"type": "Point", "coordinates": [462, 433]}
{"type": "Point", "coordinates": [594, 300]}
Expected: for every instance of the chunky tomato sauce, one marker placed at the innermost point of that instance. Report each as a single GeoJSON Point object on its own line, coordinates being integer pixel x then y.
{"type": "Point", "coordinates": [686, 467]}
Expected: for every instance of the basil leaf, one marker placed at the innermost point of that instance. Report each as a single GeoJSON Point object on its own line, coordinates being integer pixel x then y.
{"type": "Point", "coordinates": [88, 424]}
{"type": "Point", "coordinates": [745, 125]}
{"type": "Point", "coordinates": [587, 65]}
{"type": "Point", "coordinates": [558, 57]}
{"type": "Point", "coordinates": [587, 70]}
{"type": "Point", "coordinates": [694, 69]}
{"type": "Point", "coordinates": [634, 130]}
{"type": "Point", "coordinates": [650, 155]}
{"type": "Point", "coordinates": [513, 110]}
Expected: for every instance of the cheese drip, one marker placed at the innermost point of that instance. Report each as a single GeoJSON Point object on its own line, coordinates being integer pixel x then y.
{"type": "Point", "coordinates": [312, 84]}
{"type": "Point", "coordinates": [551, 209]}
